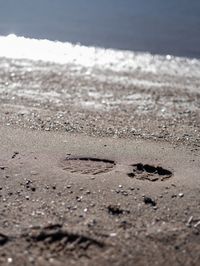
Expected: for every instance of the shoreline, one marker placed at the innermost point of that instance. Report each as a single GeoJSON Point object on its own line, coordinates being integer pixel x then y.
{"type": "Point", "coordinates": [97, 102]}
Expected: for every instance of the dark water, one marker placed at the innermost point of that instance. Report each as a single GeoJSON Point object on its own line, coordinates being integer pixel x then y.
{"type": "Point", "coordinates": [157, 26]}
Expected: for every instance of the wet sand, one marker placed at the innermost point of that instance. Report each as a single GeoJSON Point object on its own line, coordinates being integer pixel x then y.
{"type": "Point", "coordinates": [98, 168]}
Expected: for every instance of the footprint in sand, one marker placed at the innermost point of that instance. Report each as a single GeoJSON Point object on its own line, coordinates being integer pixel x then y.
{"type": "Point", "coordinates": [87, 165]}
{"type": "Point", "coordinates": [149, 172]}
{"type": "Point", "coordinates": [95, 166]}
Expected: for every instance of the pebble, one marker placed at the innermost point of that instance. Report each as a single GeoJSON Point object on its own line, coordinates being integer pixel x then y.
{"type": "Point", "coordinates": [113, 234]}
{"type": "Point", "coordinates": [189, 221]}
{"type": "Point", "coordinates": [34, 173]}
{"type": "Point", "coordinates": [180, 195]}
{"type": "Point", "coordinates": [197, 224]}
{"type": "Point", "coordinates": [10, 260]}
{"type": "Point", "coordinates": [124, 193]}
{"type": "Point", "coordinates": [79, 199]}
{"type": "Point", "coordinates": [31, 260]}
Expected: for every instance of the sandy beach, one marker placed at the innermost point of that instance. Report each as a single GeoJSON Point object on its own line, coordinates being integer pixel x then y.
{"type": "Point", "coordinates": [97, 201]}
{"type": "Point", "coordinates": [99, 165]}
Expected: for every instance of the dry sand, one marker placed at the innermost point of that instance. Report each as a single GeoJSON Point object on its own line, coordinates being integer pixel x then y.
{"type": "Point", "coordinates": [76, 200]}
{"type": "Point", "coordinates": [97, 171]}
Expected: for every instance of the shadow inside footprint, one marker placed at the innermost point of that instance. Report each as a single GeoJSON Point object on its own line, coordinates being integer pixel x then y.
{"type": "Point", "coordinates": [149, 172]}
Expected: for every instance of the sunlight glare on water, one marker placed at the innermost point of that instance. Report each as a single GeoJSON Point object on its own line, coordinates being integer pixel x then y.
{"type": "Point", "coordinates": [15, 47]}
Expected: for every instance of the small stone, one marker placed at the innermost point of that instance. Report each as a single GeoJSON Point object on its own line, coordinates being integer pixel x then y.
{"type": "Point", "coordinates": [124, 193]}
{"type": "Point", "coordinates": [79, 199]}
{"type": "Point", "coordinates": [113, 234]}
{"type": "Point", "coordinates": [197, 224]}
{"type": "Point", "coordinates": [31, 260]}
{"type": "Point", "coordinates": [189, 221]}
{"type": "Point", "coordinates": [51, 260]}
{"type": "Point", "coordinates": [10, 260]}
{"type": "Point", "coordinates": [34, 173]}
{"type": "Point", "coordinates": [180, 195]}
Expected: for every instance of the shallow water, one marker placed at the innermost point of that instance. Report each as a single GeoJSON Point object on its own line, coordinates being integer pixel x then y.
{"type": "Point", "coordinates": [94, 59]}
{"type": "Point", "coordinates": [36, 72]}
{"type": "Point", "coordinates": [156, 26]}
